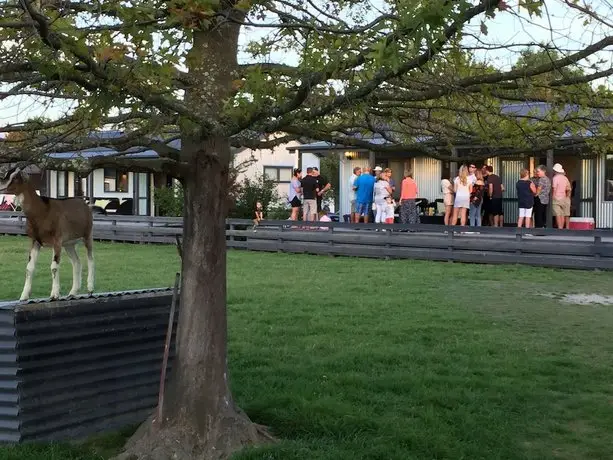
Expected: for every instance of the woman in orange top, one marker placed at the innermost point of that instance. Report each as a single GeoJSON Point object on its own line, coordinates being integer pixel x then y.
{"type": "Point", "coordinates": [408, 193]}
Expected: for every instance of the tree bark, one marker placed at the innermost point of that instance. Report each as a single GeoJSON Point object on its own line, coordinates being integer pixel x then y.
{"type": "Point", "coordinates": [200, 419]}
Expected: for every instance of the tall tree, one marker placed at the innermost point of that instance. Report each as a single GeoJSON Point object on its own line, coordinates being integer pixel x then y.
{"type": "Point", "coordinates": [163, 70]}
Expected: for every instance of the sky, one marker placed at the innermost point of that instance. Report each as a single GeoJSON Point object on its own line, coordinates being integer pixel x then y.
{"type": "Point", "coordinates": [559, 25]}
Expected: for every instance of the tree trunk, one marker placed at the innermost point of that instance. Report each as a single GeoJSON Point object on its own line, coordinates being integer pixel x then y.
{"type": "Point", "coordinates": [200, 419]}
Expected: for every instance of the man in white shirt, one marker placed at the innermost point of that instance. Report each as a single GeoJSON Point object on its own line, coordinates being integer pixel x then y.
{"type": "Point", "coordinates": [356, 173]}
{"type": "Point", "coordinates": [472, 178]}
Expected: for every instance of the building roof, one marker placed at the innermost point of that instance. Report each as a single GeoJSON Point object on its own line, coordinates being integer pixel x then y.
{"type": "Point", "coordinates": [522, 109]}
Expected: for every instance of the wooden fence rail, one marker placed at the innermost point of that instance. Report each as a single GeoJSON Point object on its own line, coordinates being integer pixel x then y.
{"type": "Point", "coordinates": [538, 247]}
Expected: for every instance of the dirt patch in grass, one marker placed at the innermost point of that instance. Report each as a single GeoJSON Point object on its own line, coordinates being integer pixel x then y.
{"type": "Point", "coordinates": [582, 299]}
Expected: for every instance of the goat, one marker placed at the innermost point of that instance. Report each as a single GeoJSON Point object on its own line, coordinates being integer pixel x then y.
{"type": "Point", "coordinates": [56, 223]}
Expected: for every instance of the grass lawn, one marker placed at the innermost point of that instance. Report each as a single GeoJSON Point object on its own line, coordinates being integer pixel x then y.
{"type": "Point", "coordinates": [389, 360]}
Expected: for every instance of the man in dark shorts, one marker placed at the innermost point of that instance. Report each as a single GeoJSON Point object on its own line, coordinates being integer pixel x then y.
{"type": "Point", "coordinates": [486, 197]}
{"type": "Point", "coordinates": [322, 184]}
{"type": "Point", "coordinates": [309, 195]}
{"type": "Point", "coordinates": [495, 191]}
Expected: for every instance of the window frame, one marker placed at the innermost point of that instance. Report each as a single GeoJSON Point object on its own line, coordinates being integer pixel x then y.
{"type": "Point", "coordinates": [608, 158]}
{"type": "Point", "coordinates": [278, 173]}
{"type": "Point", "coordinates": [58, 181]}
{"type": "Point", "coordinates": [118, 174]}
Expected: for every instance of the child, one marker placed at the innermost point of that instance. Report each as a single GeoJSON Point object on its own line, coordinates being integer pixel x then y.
{"type": "Point", "coordinates": [525, 198]}
{"type": "Point", "coordinates": [259, 215]}
{"type": "Point", "coordinates": [390, 210]}
{"type": "Point", "coordinates": [323, 217]}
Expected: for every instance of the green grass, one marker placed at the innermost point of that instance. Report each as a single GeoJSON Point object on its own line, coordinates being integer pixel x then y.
{"type": "Point", "coordinates": [390, 360]}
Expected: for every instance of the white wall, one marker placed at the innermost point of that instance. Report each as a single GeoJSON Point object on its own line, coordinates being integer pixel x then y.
{"type": "Point", "coordinates": [52, 184]}
{"type": "Point", "coordinates": [99, 192]}
{"type": "Point", "coordinates": [345, 171]}
{"type": "Point", "coordinates": [278, 156]}
{"type": "Point", "coordinates": [427, 173]}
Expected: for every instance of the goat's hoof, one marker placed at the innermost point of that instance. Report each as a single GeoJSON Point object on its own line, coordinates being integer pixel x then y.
{"type": "Point", "coordinates": [90, 293]}
{"type": "Point", "coordinates": [23, 299]}
{"type": "Point", "coordinates": [54, 297]}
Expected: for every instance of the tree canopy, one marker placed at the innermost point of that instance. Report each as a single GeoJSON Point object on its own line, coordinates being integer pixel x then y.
{"type": "Point", "coordinates": [401, 69]}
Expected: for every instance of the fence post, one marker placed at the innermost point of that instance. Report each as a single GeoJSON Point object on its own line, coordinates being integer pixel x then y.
{"type": "Point", "coordinates": [280, 240]}
{"type": "Point", "coordinates": [597, 243]}
{"type": "Point", "coordinates": [331, 241]}
{"type": "Point", "coordinates": [449, 245]}
{"type": "Point", "coordinates": [388, 236]}
{"type": "Point", "coordinates": [518, 240]}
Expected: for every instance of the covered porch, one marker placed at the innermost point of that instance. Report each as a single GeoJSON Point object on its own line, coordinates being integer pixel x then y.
{"type": "Point", "coordinates": [590, 173]}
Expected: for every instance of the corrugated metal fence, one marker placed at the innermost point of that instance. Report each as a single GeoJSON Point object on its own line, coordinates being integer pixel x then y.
{"type": "Point", "coordinates": [73, 368]}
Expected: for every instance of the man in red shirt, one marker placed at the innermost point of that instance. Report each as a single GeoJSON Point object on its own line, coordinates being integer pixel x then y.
{"type": "Point", "coordinates": [560, 207]}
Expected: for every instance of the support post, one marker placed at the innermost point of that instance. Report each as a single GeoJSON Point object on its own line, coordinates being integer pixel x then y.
{"type": "Point", "coordinates": [453, 165]}
{"type": "Point", "coordinates": [371, 159]}
{"type": "Point", "coordinates": [550, 174]}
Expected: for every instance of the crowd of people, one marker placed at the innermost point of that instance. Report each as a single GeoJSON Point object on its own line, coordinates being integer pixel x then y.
{"type": "Point", "coordinates": [474, 197]}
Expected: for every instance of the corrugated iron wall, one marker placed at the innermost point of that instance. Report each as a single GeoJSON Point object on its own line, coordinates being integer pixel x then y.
{"type": "Point", "coordinates": [494, 163]}
{"type": "Point", "coordinates": [9, 397]}
{"type": "Point", "coordinates": [345, 172]}
{"type": "Point", "coordinates": [509, 175]}
{"type": "Point", "coordinates": [85, 365]}
{"type": "Point", "coordinates": [586, 209]}
{"type": "Point", "coordinates": [427, 173]}
{"type": "Point", "coordinates": [604, 209]}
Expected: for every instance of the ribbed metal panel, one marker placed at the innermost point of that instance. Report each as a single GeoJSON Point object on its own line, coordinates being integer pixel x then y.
{"type": "Point", "coordinates": [604, 209]}
{"type": "Point", "coordinates": [345, 171]}
{"type": "Point", "coordinates": [9, 397]}
{"type": "Point", "coordinates": [427, 173]}
{"type": "Point", "coordinates": [89, 364]}
{"type": "Point", "coordinates": [510, 170]}
{"type": "Point", "coordinates": [587, 183]}
{"type": "Point", "coordinates": [587, 178]}
{"type": "Point", "coordinates": [494, 163]}
{"type": "Point", "coordinates": [586, 210]}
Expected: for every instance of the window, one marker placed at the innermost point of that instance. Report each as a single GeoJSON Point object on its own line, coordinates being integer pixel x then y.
{"type": "Point", "coordinates": [115, 180]}
{"type": "Point", "coordinates": [278, 173]}
{"type": "Point", "coordinates": [608, 178]}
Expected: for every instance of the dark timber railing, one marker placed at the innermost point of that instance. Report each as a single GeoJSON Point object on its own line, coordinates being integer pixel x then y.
{"type": "Point", "coordinates": [579, 249]}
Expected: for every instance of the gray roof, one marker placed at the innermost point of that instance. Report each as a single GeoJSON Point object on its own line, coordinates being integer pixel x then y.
{"type": "Point", "coordinates": [520, 109]}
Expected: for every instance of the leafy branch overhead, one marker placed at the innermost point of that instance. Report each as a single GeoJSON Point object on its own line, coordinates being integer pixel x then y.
{"type": "Point", "coordinates": [405, 70]}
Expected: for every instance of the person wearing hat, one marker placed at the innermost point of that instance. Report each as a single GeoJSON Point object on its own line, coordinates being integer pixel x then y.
{"type": "Point", "coordinates": [560, 207]}
{"type": "Point", "coordinates": [377, 171]}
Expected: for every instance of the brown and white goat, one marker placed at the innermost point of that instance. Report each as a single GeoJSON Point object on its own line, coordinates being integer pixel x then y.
{"type": "Point", "coordinates": [53, 223]}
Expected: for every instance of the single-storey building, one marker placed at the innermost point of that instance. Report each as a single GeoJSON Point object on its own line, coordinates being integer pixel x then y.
{"type": "Point", "coordinates": [590, 172]}
{"type": "Point", "coordinates": [132, 190]}
{"type": "Point", "coordinates": [276, 163]}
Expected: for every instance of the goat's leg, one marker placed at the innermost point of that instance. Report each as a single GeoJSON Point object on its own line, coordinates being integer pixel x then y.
{"type": "Point", "coordinates": [89, 245]}
{"type": "Point", "coordinates": [33, 257]}
{"type": "Point", "coordinates": [55, 272]}
{"type": "Point", "coordinates": [76, 269]}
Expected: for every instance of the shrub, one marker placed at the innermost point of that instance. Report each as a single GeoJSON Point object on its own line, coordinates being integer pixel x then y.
{"type": "Point", "coordinates": [169, 201]}
{"type": "Point", "coordinates": [249, 192]}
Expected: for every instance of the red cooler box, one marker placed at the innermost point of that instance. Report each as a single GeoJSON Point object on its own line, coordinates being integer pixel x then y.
{"type": "Point", "coordinates": [582, 223]}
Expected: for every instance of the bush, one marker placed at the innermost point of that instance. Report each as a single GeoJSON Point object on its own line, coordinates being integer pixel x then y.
{"type": "Point", "coordinates": [169, 201]}
{"type": "Point", "coordinates": [242, 196]}
{"type": "Point", "coordinates": [249, 192]}
{"type": "Point", "coordinates": [277, 212]}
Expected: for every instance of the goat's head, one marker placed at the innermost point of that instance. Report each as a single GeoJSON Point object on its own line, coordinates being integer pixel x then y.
{"type": "Point", "coordinates": [13, 180]}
